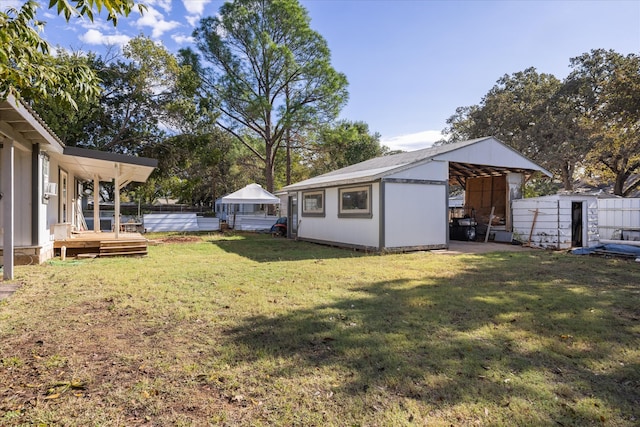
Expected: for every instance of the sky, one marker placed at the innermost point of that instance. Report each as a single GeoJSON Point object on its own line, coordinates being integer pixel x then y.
{"type": "Point", "coordinates": [409, 63]}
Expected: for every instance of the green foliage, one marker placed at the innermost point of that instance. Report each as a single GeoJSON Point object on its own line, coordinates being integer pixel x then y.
{"type": "Point", "coordinates": [268, 73]}
{"type": "Point", "coordinates": [114, 8]}
{"type": "Point", "coordinates": [533, 113]}
{"type": "Point", "coordinates": [588, 121]}
{"type": "Point", "coordinates": [27, 69]}
{"type": "Point", "coordinates": [343, 144]}
{"type": "Point", "coordinates": [540, 186]}
{"type": "Point", "coordinates": [139, 92]}
{"type": "Point", "coordinates": [196, 168]}
{"type": "Point", "coordinates": [609, 87]}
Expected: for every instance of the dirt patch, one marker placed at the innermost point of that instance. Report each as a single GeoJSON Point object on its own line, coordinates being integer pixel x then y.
{"type": "Point", "coordinates": [180, 239]}
{"type": "Point", "coordinates": [457, 247]}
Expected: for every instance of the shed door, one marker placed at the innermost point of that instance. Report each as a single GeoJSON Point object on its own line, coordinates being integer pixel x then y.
{"type": "Point", "coordinates": [293, 217]}
{"type": "Point", "coordinates": [576, 224]}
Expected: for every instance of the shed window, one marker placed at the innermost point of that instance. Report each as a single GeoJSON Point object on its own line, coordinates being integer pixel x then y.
{"type": "Point", "coordinates": [313, 203]}
{"type": "Point", "coordinates": [355, 202]}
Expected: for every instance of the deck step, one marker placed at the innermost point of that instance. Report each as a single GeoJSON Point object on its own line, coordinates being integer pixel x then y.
{"type": "Point", "coordinates": [128, 253]}
{"type": "Point", "coordinates": [122, 242]}
{"type": "Point", "coordinates": [90, 245]}
{"type": "Point", "coordinates": [123, 247]}
{"type": "Point", "coordinates": [120, 248]}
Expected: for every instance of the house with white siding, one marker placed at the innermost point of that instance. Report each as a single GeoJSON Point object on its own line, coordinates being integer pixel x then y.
{"type": "Point", "coordinates": [42, 185]}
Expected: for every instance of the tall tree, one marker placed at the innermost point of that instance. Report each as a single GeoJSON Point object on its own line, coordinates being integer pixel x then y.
{"type": "Point", "coordinates": [608, 84]}
{"type": "Point", "coordinates": [135, 105]}
{"type": "Point", "coordinates": [269, 72]}
{"type": "Point", "coordinates": [26, 68]}
{"type": "Point", "coordinates": [535, 113]}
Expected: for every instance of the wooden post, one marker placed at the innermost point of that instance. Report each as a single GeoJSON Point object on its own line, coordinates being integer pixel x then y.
{"type": "Point", "coordinates": [486, 236]}
{"type": "Point", "coordinates": [116, 202]}
{"type": "Point", "coordinates": [533, 224]}
{"type": "Point", "coordinates": [96, 204]}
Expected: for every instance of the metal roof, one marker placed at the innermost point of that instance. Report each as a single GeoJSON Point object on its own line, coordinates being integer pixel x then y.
{"type": "Point", "coordinates": [373, 169]}
{"type": "Point", "coordinates": [20, 123]}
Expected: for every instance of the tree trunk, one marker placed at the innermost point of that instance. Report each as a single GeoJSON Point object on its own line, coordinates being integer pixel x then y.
{"type": "Point", "coordinates": [567, 175]}
{"type": "Point", "coordinates": [288, 138]}
{"type": "Point", "coordinates": [618, 186]}
{"type": "Point", "coordinates": [269, 168]}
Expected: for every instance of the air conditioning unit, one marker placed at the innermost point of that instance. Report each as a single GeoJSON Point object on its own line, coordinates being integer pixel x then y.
{"type": "Point", "coordinates": [51, 189]}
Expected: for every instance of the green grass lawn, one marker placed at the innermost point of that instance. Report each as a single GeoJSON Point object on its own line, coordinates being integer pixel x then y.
{"type": "Point", "coordinates": [245, 329]}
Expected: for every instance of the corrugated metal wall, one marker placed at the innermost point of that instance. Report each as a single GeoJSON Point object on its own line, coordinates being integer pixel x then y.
{"type": "Point", "coordinates": [552, 228]}
{"type": "Point", "coordinates": [614, 214]}
{"type": "Point", "coordinates": [545, 232]}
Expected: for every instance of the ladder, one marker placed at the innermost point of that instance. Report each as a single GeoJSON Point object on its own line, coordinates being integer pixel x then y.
{"type": "Point", "coordinates": [80, 221]}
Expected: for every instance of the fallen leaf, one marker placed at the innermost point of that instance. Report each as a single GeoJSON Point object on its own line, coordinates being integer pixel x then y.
{"type": "Point", "coordinates": [53, 396]}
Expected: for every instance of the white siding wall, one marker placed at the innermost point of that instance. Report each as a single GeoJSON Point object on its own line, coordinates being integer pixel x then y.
{"type": "Point", "coordinates": [614, 214]}
{"type": "Point", "coordinates": [415, 215]}
{"type": "Point", "coordinates": [593, 233]}
{"type": "Point", "coordinates": [348, 231]}
{"type": "Point", "coordinates": [22, 200]}
{"type": "Point", "coordinates": [552, 228]}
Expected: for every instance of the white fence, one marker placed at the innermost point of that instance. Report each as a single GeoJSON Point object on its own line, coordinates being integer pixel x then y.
{"type": "Point", "coordinates": [617, 214]}
{"type": "Point", "coordinates": [191, 222]}
{"type": "Point", "coordinates": [253, 222]}
{"type": "Point", "coordinates": [171, 222]}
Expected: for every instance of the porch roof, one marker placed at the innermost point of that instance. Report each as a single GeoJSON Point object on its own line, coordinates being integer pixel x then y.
{"type": "Point", "coordinates": [87, 164]}
{"type": "Point", "coordinates": [20, 123]}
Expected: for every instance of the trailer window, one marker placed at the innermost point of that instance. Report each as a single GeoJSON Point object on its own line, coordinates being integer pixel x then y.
{"type": "Point", "coordinates": [355, 202]}
{"type": "Point", "coordinates": [313, 203]}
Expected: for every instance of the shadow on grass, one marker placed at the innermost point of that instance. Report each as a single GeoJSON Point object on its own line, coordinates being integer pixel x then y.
{"type": "Point", "coordinates": [549, 343]}
{"type": "Point", "coordinates": [265, 248]}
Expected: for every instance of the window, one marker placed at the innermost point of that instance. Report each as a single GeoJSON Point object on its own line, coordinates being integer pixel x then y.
{"type": "Point", "coordinates": [46, 185]}
{"type": "Point", "coordinates": [313, 203]}
{"type": "Point", "coordinates": [355, 202]}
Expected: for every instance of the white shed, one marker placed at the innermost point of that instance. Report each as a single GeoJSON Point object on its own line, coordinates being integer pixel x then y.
{"type": "Point", "coordinates": [400, 202]}
{"type": "Point", "coordinates": [559, 221]}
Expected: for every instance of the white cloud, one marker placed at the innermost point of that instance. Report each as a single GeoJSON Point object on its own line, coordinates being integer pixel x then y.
{"type": "Point", "coordinates": [155, 20]}
{"type": "Point", "coordinates": [98, 24]}
{"type": "Point", "coordinates": [182, 39]}
{"type": "Point", "coordinates": [98, 38]}
{"type": "Point", "coordinates": [192, 19]}
{"type": "Point", "coordinates": [195, 7]}
{"type": "Point", "coordinates": [164, 4]}
{"type": "Point", "coordinates": [413, 141]}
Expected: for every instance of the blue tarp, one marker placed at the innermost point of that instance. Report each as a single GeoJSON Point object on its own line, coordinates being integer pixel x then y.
{"type": "Point", "coordinates": [609, 248]}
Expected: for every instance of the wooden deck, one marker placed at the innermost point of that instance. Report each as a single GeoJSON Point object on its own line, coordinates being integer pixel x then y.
{"type": "Point", "coordinates": [90, 244]}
